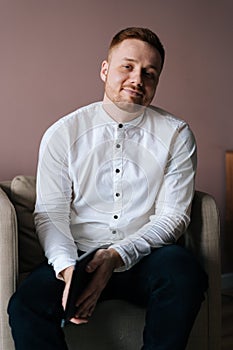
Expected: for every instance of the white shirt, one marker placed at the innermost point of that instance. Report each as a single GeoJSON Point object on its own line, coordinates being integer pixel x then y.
{"type": "Point", "coordinates": [100, 182]}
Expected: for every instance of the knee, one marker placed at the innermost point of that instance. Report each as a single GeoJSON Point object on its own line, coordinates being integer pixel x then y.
{"type": "Point", "coordinates": [21, 308]}
{"type": "Point", "coordinates": [182, 270]}
{"type": "Point", "coordinates": [189, 276]}
{"type": "Point", "coordinates": [16, 304]}
{"type": "Point", "coordinates": [15, 310]}
{"type": "Point", "coordinates": [12, 304]}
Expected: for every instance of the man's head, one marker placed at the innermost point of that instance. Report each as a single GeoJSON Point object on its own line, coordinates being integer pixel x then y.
{"type": "Point", "coordinates": [131, 72]}
{"type": "Point", "coordinates": [142, 34]}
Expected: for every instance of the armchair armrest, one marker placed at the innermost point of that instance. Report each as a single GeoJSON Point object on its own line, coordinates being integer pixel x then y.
{"type": "Point", "coordinates": [203, 238]}
{"type": "Point", "coordinates": [8, 265]}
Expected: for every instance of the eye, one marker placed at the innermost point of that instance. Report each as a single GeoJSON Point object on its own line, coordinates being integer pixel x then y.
{"type": "Point", "coordinates": [150, 74]}
{"type": "Point", "coordinates": [127, 67]}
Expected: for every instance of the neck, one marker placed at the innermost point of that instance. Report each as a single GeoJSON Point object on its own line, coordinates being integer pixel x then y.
{"type": "Point", "coordinates": [122, 112]}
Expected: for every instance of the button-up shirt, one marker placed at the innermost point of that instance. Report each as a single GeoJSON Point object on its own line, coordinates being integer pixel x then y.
{"type": "Point", "coordinates": [101, 182]}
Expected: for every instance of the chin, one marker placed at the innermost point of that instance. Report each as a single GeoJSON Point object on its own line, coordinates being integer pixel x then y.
{"type": "Point", "coordinates": [131, 107]}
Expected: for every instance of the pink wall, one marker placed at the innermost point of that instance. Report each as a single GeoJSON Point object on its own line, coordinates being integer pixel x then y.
{"type": "Point", "coordinates": [50, 57]}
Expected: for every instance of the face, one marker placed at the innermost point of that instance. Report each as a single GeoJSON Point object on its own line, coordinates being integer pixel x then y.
{"type": "Point", "coordinates": [131, 73]}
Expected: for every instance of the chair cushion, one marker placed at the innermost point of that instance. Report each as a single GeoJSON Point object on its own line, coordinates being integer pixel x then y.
{"type": "Point", "coordinates": [23, 195]}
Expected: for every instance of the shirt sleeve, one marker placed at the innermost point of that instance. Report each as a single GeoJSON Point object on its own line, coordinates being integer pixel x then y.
{"type": "Point", "coordinates": [172, 204]}
{"type": "Point", "coordinates": [54, 193]}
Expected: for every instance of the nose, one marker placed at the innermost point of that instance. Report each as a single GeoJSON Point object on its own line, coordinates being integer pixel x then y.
{"type": "Point", "coordinates": [136, 78]}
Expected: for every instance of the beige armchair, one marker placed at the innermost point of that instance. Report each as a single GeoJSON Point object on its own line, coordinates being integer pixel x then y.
{"type": "Point", "coordinates": [115, 325]}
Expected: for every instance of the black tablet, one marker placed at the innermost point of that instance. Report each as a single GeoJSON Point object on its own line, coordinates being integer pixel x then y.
{"type": "Point", "coordinates": [79, 281]}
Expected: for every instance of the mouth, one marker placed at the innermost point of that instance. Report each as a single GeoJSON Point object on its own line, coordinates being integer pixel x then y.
{"type": "Point", "coordinates": [133, 93]}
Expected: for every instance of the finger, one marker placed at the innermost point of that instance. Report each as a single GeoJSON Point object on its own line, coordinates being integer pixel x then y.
{"type": "Point", "coordinates": [65, 296]}
{"type": "Point", "coordinates": [78, 320]}
{"type": "Point", "coordinates": [87, 307]}
{"type": "Point", "coordinates": [85, 314]}
{"type": "Point", "coordinates": [93, 264]}
{"type": "Point", "coordinates": [90, 292]}
{"type": "Point", "coordinates": [95, 286]}
{"type": "Point", "coordinates": [91, 310]}
{"type": "Point", "coordinates": [85, 296]}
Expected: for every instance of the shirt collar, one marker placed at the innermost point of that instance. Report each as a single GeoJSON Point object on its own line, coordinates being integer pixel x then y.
{"type": "Point", "coordinates": [134, 122]}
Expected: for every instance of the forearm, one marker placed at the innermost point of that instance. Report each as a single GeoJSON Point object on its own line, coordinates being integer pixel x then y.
{"type": "Point", "coordinates": [158, 232]}
{"type": "Point", "coordinates": [56, 240]}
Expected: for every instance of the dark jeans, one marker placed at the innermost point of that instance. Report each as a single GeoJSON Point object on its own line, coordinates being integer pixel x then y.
{"type": "Point", "coordinates": [168, 282]}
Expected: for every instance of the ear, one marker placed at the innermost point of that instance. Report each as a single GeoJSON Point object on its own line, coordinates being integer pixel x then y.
{"type": "Point", "coordinates": [104, 71]}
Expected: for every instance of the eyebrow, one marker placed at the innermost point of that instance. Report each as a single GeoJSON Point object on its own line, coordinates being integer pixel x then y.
{"type": "Point", "coordinates": [128, 59]}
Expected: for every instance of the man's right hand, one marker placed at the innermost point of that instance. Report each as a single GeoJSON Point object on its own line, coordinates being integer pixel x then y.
{"type": "Point", "coordinates": [102, 265]}
{"type": "Point", "coordinates": [67, 276]}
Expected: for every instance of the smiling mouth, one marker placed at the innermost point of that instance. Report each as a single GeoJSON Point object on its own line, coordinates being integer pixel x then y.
{"type": "Point", "coordinates": [134, 93]}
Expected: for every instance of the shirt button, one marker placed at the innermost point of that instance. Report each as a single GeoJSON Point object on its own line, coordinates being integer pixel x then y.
{"type": "Point", "coordinates": [118, 146]}
{"type": "Point", "coordinates": [120, 126]}
{"type": "Point", "coordinates": [115, 216]}
{"type": "Point", "coordinates": [117, 170]}
{"type": "Point", "coordinates": [117, 194]}
{"type": "Point", "coordinates": [114, 232]}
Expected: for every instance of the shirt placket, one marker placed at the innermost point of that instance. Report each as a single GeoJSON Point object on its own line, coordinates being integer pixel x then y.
{"type": "Point", "coordinates": [117, 180]}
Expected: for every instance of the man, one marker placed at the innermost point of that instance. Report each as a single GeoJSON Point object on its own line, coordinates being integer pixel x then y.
{"type": "Point", "coordinates": [117, 172]}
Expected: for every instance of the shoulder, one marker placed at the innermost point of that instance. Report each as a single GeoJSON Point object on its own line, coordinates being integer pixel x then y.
{"type": "Point", "coordinates": [162, 116]}
{"type": "Point", "coordinates": [72, 123]}
{"type": "Point", "coordinates": [72, 118]}
{"type": "Point", "coordinates": [167, 126]}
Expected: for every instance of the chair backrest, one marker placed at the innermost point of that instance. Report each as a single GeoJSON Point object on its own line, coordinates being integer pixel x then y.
{"type": "Point", "coordinates": [22, 193]}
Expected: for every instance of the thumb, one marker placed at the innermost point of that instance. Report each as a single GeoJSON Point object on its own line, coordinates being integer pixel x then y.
{"type": "Point", "coordinates": [65, 295]}
{"type": "Point", "coordinates": [94, 263]}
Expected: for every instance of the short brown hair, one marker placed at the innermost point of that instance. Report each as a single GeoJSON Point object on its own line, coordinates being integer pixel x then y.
{"type": "Point", "coordinates": [142, 34]}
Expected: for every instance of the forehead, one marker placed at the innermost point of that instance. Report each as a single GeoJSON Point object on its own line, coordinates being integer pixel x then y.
{"type": "Point", "coordinates": [137, 50]}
